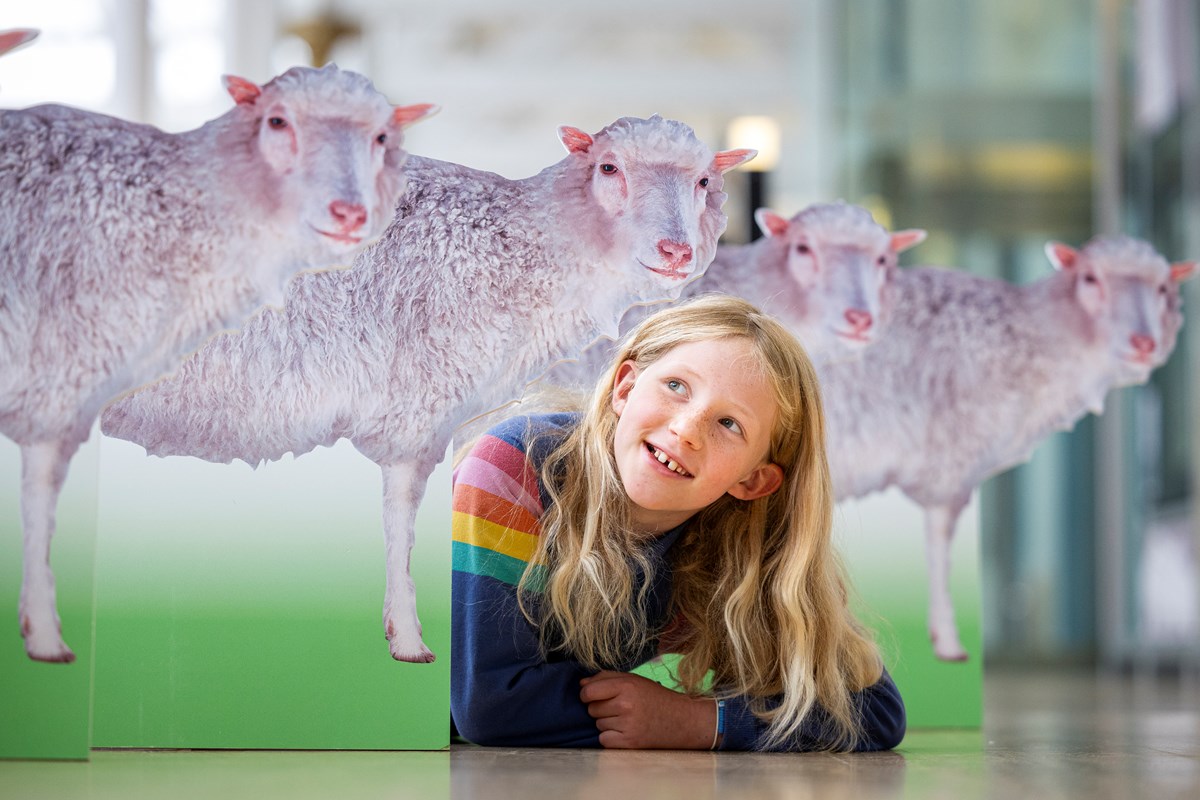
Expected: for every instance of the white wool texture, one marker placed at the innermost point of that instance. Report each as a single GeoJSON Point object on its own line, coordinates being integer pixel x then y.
{"type": "Point", "coordinates": [973, 373]}
{"type": "Point", "coordinates": [125, 247]}
{"type": "Point", "coordinates": [477, 286]}
{"type": "Point", "coordinates": [759, 272]}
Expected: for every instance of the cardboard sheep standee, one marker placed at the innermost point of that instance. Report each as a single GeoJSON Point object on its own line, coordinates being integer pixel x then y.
{"type": "Point", "coordinates": [462, 303]}
{"type": "Point", "coordinates": [126, 247]}
{"type": "Point", "coordinates": [239, 608]}
{"type": "Point", "coordinates": [45, 708]}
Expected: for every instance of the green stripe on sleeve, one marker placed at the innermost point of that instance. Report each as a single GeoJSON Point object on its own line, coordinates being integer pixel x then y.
{"type": "Point", "coordinates": [490, 564]}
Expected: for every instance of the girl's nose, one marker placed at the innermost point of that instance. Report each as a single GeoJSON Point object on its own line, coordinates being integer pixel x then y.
{"type": "Point", "coordinates": [686, 426]}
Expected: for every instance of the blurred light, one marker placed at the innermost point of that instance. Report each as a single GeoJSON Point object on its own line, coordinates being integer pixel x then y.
{"type": "Point", "coordinates": [170, 19]}
{"type": "Point", "coordinates": [879, 209]}
{"type": "Point", "coordinates": [289, 51]}
{"type": "Point", "coordinates": [78, 71]}
{"type": "Point", "coordinates": [1033, 164]}
{"type": "Point", "coordinates": [188, 71]}
{"type": "Point", "coordinates": [760, 133]}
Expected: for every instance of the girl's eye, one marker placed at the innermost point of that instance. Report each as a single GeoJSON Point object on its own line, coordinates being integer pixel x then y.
{"type": "Point", "coordinates": [675, 386]}
{"type": "Point", "coordinates": [731, 424]}
{"type": "Point", "coordinates": [608, 169]}
{"type": "Point", "coordinates": [381, 138]}
{"type": "Point", "coordinates": [277, 122]}
{"type": "Point", "coordinates": [703, 182]}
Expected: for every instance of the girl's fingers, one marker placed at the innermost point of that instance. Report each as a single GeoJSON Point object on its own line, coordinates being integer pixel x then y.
{"type": "Point", "coordinates": [613, 739]}
{"type": "Point", "coordinates": [602, 708]}
{"type": "Point", "coordinates": [607, 724]}
{"type": "Point", "coordinates": [599, 676]}
{"type": "Point", "coordinates": [599, 690]}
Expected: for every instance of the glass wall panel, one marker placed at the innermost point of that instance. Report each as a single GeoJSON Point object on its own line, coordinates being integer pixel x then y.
{"type": "Point", "coordinates": [975, 122]}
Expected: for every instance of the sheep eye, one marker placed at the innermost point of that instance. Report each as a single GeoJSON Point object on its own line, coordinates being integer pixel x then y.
{"type": "Point", "coordinates": [381, 138]}
{"type": "Point", "coordinates": [802, 249]}
{"type": "Point", "coordinates": [608, 169]}
{"type": "Point", "coordinates": [1090, 278]}
{"type": "Point", "coordinates": [703, 182]}
{"type": "Point", "coordinates": [882, 260]}
{"type": "Point", "coordinates": [277, 122]}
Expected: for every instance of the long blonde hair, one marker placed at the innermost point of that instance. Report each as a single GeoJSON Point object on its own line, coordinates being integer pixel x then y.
{"type": "Point", "coordinates": [758, 590]}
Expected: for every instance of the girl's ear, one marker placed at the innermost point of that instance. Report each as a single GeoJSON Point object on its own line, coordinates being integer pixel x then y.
{"type": "Point", "coordinates": [764, 480]}
{"type": "Point", "coordinates": [626, 376]}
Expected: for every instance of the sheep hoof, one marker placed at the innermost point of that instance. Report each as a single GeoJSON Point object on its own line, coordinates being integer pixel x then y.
{"type": "Point", "coordinates": [421, 655]}
{"type": "Point", "coordinates": [49, 648]}
{"type": "Point", "coordinates": [952, 651]}
{"type": "Point", "coordinates": [404, 640]}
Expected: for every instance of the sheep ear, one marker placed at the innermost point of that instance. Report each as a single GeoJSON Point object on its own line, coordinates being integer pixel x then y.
{"type": "Point", "coordinates": [1062, 256]}
{"type": "Point", "coordinates": [408, 115]}
{"type": "Point", "coordinates": [770, 223]}
{"type": "Point", "coordinates": [903, 240]}
{"type": "Point", "coordinates": [575, 140]}
{"type": "Point", "coordinates": [728, 159]}
{"type": "Point", "coordinates": [1182, 270]}
{"type": "Point", "coordinates": [11, 40]}
{"type": "Point", "coordinates": [242, 91]}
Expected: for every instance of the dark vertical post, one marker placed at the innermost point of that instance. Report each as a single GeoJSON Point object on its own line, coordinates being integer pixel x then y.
{"type": "Point", "coordinates": [756, 198]}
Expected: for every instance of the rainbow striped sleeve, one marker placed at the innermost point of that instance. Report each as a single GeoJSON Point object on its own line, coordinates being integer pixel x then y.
{"type": "Point", "coordinates": [496, 508]}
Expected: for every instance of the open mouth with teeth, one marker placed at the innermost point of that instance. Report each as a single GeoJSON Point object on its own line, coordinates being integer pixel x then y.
{"type": "Point", "coordinates": [666, 461]}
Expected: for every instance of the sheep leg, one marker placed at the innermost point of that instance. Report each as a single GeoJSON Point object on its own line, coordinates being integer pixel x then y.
{"type": "Point", "coordinates": [403, 488]}
{"type": "Point", "coordinates": [43, 470]}
{"type": "Point", "coordinates": [939, 532]}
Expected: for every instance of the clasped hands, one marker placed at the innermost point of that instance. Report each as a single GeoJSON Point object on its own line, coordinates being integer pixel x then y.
{"type": "Point", "coordinates": [637, 713]}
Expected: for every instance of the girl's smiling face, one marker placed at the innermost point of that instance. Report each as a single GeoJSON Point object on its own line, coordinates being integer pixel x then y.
{"type": "Point", "coordinates": [693, 426]}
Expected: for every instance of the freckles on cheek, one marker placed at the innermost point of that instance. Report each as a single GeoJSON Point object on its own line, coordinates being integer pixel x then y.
{"type": "Point", "coordinates": [721, 451]}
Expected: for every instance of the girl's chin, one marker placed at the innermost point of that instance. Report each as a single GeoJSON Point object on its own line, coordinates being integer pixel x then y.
{"type": "Point", "coordinates": [657, 520]}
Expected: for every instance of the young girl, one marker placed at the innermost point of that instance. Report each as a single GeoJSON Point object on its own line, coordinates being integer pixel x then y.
{"type": "Point", "coordinates": [688, 511]}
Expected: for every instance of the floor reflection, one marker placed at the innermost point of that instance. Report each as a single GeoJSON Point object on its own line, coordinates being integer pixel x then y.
{"type": "Point", "coordinates": [1045, 735]}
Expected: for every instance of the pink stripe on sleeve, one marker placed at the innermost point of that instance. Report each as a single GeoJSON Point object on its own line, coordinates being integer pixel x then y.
{"type": "Point", "coordinates": [495, 470]}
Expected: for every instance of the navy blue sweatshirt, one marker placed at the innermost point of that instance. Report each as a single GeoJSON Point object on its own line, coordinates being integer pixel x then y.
{"type": "Point", "coordinates": [503, 689]}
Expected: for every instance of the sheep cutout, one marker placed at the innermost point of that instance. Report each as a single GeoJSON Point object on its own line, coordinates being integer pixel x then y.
{"type": "Point", "coordinates": [124, 247]}
{"type": "Point", "coordinates": [477, 287]}
{"type": "Point", "coordinates": [972, 374]}
{"type": "Point", "coordinates": [826, 273]}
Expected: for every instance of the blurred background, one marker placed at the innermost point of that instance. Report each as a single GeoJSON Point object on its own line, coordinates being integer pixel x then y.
{"type": "Point", "coordinates": [995, 126]}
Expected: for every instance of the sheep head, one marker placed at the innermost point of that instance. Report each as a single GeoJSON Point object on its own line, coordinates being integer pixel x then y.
{"type": "Point", "coordinates": [654, 195]}
{"type": "Point", "coordinates": [843, 262]}
{"type": "Point", "coordinates": [1132, 294]}
{"type": "Point", "coordinates": [332, 147]}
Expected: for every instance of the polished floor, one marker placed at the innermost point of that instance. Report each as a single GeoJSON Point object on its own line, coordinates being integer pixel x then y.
{"type": "Point", "coordinates": [1046, 735]}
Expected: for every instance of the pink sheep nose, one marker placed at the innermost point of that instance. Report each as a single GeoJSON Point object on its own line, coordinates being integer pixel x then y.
{"type": "Point", "coordinates": [349, 216]}
{"type": "Point", "coordinates": [675, 254]}
{"type": "Point", "coordinates": [859, 319]}
{"type": "Point", "coordinates": [1142, 343]}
